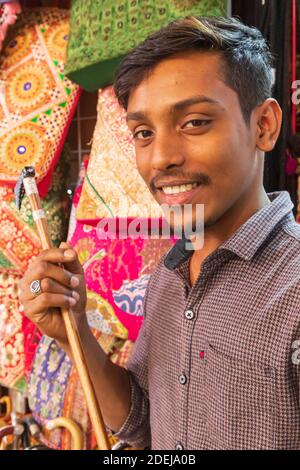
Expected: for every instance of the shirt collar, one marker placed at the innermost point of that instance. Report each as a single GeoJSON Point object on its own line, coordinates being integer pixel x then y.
{"type": "Point", "coordinates": [249, 237]}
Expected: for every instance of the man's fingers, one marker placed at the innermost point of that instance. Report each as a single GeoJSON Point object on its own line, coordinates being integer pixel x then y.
{"type": "Point", "coordinates": [45, 301]}
{"type": "Point", "coordinates": [42, 269]}
{"type": "Point", "coordinates": [57, 255]}
{"type": "Point", "coordinates": [63, 255]}
{"type": "Point", "coordinates": [52, 287]}
{"type": "Point", "coordinates": [72, 263]}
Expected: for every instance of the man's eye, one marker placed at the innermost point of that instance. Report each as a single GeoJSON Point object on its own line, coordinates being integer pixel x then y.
{"type": "Point", "coordinates": [142, 135]}
{"type": "Point", "coordinates": [196, 123]}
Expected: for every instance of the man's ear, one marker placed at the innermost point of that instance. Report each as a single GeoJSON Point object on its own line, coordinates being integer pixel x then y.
{"type": "Point", "coordinates": [268, 117]}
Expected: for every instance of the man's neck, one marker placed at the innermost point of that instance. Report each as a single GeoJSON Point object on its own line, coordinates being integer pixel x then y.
{"type": "Point", "coordinates": [225, 227]}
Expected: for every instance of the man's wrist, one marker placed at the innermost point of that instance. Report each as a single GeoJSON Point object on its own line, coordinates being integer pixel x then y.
{"type": "Point", "coordinates": [83, 331]}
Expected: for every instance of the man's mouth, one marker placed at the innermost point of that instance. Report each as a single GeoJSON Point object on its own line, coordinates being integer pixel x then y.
{"type": "Point", "coordinates": [177, 193]}
{"type": "Point", "coordinates": [176, 189]}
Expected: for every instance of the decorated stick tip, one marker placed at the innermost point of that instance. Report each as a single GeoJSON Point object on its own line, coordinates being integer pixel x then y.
{"type": "Point", "coordinates": [27, 172]}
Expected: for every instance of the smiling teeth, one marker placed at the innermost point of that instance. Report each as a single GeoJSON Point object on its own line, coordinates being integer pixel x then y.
{"type": "Point", "coordinates": [179, 189]}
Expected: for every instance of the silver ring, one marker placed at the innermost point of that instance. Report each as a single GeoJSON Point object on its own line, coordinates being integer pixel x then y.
{"type": "Point", "coordinates": [35, 287]}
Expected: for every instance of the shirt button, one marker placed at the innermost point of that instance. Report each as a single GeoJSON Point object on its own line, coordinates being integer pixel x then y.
{"type": "Point", "coordinates": [179, 446]}
{"type": "Point", "coordinates": [182, 379]}
{"type": "Point", "coordinates": [189, 314]}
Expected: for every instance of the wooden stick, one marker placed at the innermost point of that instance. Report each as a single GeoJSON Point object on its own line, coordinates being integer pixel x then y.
{"type": "Point", "coordinates": [70, 324]}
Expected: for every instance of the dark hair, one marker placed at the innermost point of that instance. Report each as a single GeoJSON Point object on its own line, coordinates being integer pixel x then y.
{"type": "Point", "coordinates": [247, 60]}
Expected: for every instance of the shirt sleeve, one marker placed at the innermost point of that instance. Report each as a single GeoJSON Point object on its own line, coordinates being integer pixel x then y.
{"type": "Point", "coordinates": [136, 428]}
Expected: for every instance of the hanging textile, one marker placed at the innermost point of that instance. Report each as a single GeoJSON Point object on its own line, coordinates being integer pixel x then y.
{"type": "Point", "coordinates": [37, 100]}
{"type": "Point", "coordinates": [102, 32]}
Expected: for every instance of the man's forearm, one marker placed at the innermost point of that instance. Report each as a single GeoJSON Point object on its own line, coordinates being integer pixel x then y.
{"type": "Point", "coordinates": [111, 382]}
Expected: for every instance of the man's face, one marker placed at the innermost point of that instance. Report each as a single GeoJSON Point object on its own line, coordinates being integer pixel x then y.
{"type": "Point", "coordinates": [192, 143]}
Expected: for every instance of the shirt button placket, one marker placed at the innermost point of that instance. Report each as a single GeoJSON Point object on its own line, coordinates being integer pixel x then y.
{"type": "Point", "coordinates": [189, 317]}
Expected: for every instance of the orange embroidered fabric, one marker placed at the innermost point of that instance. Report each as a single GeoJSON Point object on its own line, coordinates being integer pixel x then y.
{"type": "Point", "coordinates": [37, 100]}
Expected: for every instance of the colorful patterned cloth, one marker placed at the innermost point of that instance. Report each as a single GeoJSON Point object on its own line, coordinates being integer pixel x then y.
{"type": "Point", "coordinates": [116, 273]}
{"type": "Point", "coordinates": [102, 32]}
{"type": "Point", "coordinates": [11, 337]}
{"type": "Point", "coordinates": [19, 241]}
{"type": "Point", "coordinates": [37, 100]}
{"type": "Point", "coordinates": [54, 389]}
{"type": "Point", "coordinates": [113, 186]}
{"type": "Point", "coordinates": [8, 16]}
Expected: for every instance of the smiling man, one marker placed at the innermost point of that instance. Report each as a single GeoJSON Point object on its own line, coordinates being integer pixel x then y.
{"type": "Point", "coordinates": [213, 365]}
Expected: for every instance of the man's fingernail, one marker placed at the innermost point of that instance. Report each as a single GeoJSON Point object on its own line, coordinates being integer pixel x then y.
{"type": "Point", "coordinates": [74, 281]}
{"type": "Point", "coordinates": [69, 254]}
{"type": "Point", "coordinates": [75, 295]}
{"type": "Point", "coordinates": [72, 301]}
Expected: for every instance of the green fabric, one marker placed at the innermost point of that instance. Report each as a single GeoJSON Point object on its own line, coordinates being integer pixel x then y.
{"type": "Point", "coordinates": [103, 31]}
{"type": "Point", "coordinates": [4, 262]}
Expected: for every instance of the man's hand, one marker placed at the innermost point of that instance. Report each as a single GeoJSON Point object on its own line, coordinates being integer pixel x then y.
{"type": "Point", "coordinates": [63, 286]}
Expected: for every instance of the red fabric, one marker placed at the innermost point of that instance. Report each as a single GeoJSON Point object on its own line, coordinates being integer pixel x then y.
{"type": "Point", "coordinates": [32, 337]}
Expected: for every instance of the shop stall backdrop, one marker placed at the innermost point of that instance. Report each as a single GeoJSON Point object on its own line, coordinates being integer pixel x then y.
{"type": "Point", "coordinates": [78, 135]}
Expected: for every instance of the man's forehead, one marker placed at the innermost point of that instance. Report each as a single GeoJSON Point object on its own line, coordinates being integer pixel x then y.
{"type": "Point", "coordinates": [192, 76]}
{"type": "Point", "coordinates": [176, 106]}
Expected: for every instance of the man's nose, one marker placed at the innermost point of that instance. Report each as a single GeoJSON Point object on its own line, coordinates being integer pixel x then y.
{"type": "Point", "coordinates": [166, 151]}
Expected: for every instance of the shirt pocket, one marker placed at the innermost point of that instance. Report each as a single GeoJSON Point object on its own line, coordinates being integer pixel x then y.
{"type": "Point", "coordinates": [240, 402]}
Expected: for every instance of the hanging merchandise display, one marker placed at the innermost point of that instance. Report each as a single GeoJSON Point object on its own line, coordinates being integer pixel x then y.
{"type": "Point", "coordinates": [9, 12]}
{"type": "Point", "coordinates": [37, 100]}
{"type": "Point", "coordinates": [103, 31]}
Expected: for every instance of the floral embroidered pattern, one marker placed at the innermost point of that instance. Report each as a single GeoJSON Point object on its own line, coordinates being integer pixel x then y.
{"type": "Point", "coordinates": [37, 99]}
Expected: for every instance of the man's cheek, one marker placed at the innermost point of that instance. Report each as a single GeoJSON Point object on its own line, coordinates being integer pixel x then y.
{"type": "Point", "coordinates": [143, 168]}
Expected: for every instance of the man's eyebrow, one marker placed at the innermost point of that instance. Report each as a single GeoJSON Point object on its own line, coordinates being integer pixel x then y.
{"type": "Point", "coordinates": [193, 100]}
{"type": "Point", "coordinates": [179, 106]}
{"type": "Point", "coordinates": [136, 116]}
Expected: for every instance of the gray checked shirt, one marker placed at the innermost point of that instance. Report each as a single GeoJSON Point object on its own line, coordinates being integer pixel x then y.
{"type": "Point", "coordinates": [216, 365]}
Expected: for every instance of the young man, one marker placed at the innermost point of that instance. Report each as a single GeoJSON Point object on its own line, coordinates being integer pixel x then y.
{"type": "Point", "coordinates": [216, 362]}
